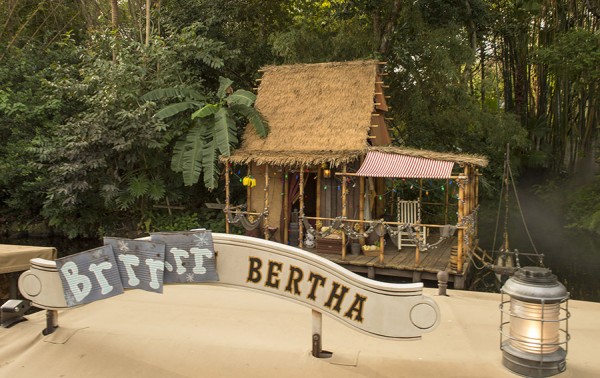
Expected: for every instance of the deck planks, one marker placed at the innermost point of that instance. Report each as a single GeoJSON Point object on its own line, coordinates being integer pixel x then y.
{"type": "Point", "coordinates": [401, 263]}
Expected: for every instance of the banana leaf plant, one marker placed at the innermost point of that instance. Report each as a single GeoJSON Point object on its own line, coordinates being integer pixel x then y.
{"type": "Point", "coordinates": [213, 131]}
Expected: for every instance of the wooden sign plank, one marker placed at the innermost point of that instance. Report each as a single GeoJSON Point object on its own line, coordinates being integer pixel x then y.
{"type": "Point", "coordinates": [89, 276]}
{"type": "Point", "coordinates": [190, 256]}
{"type": "Point", "coordinates": [141, 263]}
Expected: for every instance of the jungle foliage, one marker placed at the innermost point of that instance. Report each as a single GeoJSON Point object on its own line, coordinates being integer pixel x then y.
{"type": "Point", "coordinates": [89, 140]}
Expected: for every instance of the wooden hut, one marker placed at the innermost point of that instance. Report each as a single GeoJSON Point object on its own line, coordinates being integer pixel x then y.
{"type": "Point", "coordinates": [325, 121]}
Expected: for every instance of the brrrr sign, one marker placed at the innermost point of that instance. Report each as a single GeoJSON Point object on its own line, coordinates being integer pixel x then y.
{"type": "Point", "coordinates": [137, 264]}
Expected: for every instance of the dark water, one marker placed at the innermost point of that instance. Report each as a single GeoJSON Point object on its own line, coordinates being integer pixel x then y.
{"type": "Point", "coordinates": [574, 256]}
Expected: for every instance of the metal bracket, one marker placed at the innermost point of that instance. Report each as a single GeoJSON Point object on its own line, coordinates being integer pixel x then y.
{"type": "Point", "coordinates": [51, 322]}
{"type": "Point", "coordinates": [12, 312]}
{"type": "Point", "coordinates": [317, 350]}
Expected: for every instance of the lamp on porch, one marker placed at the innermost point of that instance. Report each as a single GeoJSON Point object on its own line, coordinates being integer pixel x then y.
{"type": "Point", "coordinates": [531, 339]}
{"type": "Point", "coordinates": [326, 171]}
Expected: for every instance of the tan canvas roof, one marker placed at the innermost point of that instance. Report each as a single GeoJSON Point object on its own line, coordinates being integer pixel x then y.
{"type": "Point", "coordinates": [208, 331]}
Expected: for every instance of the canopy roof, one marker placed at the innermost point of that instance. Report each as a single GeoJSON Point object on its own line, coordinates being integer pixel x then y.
{"type": "Point", "coordinates": [380, 164]}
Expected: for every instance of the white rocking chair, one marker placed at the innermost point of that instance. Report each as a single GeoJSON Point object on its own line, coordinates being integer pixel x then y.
{"type": "Point", "coordinates": [410, 212]}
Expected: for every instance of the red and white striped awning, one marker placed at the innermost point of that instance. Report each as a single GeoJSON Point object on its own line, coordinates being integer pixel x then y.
{"type": "Point", "coordinates": [379, 164]}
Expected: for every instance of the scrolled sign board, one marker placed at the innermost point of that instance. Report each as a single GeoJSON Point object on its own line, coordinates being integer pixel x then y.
{"type": "Point", "coordinates": [390, 311]}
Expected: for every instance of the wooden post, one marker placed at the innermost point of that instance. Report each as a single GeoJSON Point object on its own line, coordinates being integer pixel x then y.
{"type": "Point", "coordinates": [248, 189]}
{"type": "Point", "coordinates": [421, 190]}
{"type": "Point", "coordinates": [319, 173]}
{"type": "Point", "coordinates": [381, 246]}
{"type": "Point", "coordinates": [301, 216]}
{"type": "Point", "coordinates": [461, 196]}
{"type": "Point", "coordinates": [417, 251]}
{"type": "Point", "coordinates": [226, 196]}
{"type": "Point", "coordinates": [266, 230]}
{"type": "Point", "coordinates": [361, 208]}
{"type": "Point", "coordinates": [286, 222]}
{"type": "Point", "coordinates": [446, 204]}
{"type": "Point", "coordinates": [344, 210]}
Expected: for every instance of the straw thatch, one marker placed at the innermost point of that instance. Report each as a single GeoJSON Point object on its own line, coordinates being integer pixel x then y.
{"type": "Point", "coordinates": [336, 158]}
{"type": "Point", "coordinates": [315, 107]}
{"type": "Point", "coordinates": [321, 113]}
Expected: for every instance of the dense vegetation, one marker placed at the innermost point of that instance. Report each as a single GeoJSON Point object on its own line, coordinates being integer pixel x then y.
{"type": "Point", "coordinates": [84, 152]}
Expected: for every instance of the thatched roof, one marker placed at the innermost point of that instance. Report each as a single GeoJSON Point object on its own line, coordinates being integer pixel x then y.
{"type": "Point", "coordinates": [322, 113]}
{"type": "Point", "coordinates": [336, 158]}
{"type": "Point", "coordinates": [314, 107]}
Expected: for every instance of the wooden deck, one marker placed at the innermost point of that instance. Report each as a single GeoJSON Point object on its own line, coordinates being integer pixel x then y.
{"type": "Point", "coordinates": [402, 263]}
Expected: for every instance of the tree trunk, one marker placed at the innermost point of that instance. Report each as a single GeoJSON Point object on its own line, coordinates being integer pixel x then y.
{"type": "Point", "coordinates": [148, 5]}
{"type": "Point", "coordinates": [114, 10]}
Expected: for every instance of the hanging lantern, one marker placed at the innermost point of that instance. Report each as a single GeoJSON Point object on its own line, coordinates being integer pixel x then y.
{"type": "Point", "coordinates": [537, 327]}
{"type": "Point", "coordinates": [326, 172]}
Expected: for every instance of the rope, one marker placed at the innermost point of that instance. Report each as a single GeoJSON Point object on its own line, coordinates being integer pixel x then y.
{"type": "Point", "coordinates": [540, 257]}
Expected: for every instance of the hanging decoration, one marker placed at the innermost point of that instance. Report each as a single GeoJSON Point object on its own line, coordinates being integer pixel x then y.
{"type": "Point", "coordinates": [249, 181]}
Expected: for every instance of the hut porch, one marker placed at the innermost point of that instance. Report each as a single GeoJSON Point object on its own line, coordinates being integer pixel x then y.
{"type": "Point", "coordinates": [403, 264]}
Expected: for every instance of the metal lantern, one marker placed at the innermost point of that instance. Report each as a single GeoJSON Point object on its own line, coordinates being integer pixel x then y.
{"type": "Point", "coordinates": [326, 172]}
{"type": "Point", "coordinates": [534, 323]}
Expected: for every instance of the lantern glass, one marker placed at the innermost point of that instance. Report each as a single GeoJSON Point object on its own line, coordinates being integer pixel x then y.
{"type": "Point", "coordinates": [534, 327]}
{"type": "Point", "coordinates": [326, 173]}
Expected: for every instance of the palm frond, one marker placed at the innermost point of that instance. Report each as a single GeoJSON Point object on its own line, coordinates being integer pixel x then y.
{"type": "Point", "coordinates": [176, 108]}
{"type": "Point", "coordinates": [178, 154]}
{"type": "Point", "coordinates": [241, 97]}
{"type": "Point", "coordinates": [254, 117]}
{"type": "Point", "coordinates": [225, 131]}
{"type": "Point", "coordinates": [224, 84]}
{"type": "Point", "coordinates": [209, 161]}
{"type": "Point", "coordinates": [205, 111]}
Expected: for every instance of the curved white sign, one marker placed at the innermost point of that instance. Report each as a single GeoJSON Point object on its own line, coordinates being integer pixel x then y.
{"type": "Point", "coordinates": [391, 311]}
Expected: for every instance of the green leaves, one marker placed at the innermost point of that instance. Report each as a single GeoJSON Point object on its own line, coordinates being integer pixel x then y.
{"type": "Point", "coordinates": [224, 85]}
{"type": "Point", "coordinates": [205, 111]}
{"type": "Point", "coordinates": [213, 132]}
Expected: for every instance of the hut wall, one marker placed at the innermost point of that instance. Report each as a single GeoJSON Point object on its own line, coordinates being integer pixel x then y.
{"type": "Point", "coordinates": [257, 196]}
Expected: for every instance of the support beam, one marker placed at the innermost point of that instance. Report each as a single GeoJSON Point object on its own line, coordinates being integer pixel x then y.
{"type": "Point", "coordinates": [227, 181]}
{"type": "Point", "coordinates": [286, 210]}
{"type": "Point", "coordinates": [301, 217]}
{"type": "Point", "coordinates": [266, 225]}
{"type": "Point", "coordinates": [344, 211]}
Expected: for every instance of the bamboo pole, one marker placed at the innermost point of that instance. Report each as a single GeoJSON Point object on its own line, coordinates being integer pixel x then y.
{"type": "Point", "coordinates": [361, 208]}
{"type": "Point", "coordinates": [286, 222]}
{"type": "Point", "coordinates": [381, 247]}
{"type": "Point", "coordinates": [461, 206]}
{"type": "Point", "coordinates": [301, 217]}
{"type": "Point", "coordinates": [417, 251]}
{"type": "Point", "coordinates": [319, 173]}
{"type": "Point", "coordinates": [266, 230]}
{"type": "Point", "coordinates": [248, 189]}
{"type": "Point", "coordinates": [344, 211]}
{"type": "Point", "coordinates": [227, 196]}
{"type": "Point", "coordinates": [446, 201]}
